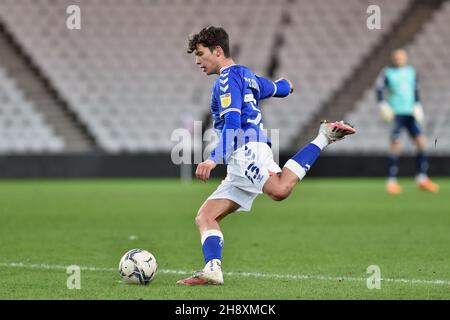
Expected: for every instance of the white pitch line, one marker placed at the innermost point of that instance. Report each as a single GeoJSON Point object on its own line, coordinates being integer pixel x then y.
{"type": "Point", "coordinates": [231, 274]}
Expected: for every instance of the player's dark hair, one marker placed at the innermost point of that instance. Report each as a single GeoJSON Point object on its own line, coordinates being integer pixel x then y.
{"type": "Point", "coordinates": [210, 37]}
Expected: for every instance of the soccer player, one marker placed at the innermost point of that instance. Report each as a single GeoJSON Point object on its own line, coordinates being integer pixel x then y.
{"type": "Point", "coordinates": [403, 108]}
{"type": "Point", "coordinates": [243, 146]}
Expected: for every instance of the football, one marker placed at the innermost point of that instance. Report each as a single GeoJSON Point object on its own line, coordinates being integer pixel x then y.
{"type": "Point", "coordinates": [138, 266]}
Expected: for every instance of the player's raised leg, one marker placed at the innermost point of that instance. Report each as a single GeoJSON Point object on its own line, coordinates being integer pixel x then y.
{"type": "Point", "coordinates": [207, 221]}
{"type": "Point", "coordinates": [278, 187]}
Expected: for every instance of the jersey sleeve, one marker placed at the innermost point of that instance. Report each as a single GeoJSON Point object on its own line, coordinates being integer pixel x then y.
{"type": "Point", "coordinates": [416, 89]}
{"type": "Point", "coordinates": [230, 105]}
{"type": "Point", "coordinates": [267, 88]}
{"type": "Point", "coordinates": [280, 88]}
{"type": "Point", "coordinates": [213, 103]}
{"type": "Point", "coordinates": [381, 85]}
{"type": "Point", "coordinates": [230, 93]}
{"type": "Point", "coordinates": [225, 146]}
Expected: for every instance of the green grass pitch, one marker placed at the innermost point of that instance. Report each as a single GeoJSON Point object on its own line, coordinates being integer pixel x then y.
{"type": "Point", "coordinates": [317, 244]}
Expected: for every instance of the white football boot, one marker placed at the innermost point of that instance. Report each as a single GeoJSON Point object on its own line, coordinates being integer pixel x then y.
{"type": "Point", "coordinates": [211, 274]}
{"type": "Point", "coordinates": [335, 131]}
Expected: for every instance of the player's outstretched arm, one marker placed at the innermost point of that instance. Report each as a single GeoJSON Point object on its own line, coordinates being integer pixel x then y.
{"type": "Point", "coordinates": [279, 88]}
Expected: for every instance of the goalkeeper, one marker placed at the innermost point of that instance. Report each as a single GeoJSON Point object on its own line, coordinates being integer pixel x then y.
{"type": "Point", "coordinates": [403, 109]}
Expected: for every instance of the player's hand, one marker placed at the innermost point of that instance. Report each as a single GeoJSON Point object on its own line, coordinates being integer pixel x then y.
{"type": "Point", "coordinates": [291, 85]}
{"type": "Point", "coordinates": [418, 113]}
{"type": "Point", "coordinates": [386, 112]}
{"type": "Point", "coordinates": [204, 169]}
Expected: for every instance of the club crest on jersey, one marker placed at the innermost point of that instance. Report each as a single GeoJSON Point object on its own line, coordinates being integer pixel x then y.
{"type": "Point", "coordinates": [225, 100]}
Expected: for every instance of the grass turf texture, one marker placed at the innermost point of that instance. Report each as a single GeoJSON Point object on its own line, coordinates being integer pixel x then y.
{"type": "Point", "coordinates": [328, 227]}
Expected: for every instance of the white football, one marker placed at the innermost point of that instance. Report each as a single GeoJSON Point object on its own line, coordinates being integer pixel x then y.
{"type": "Point", "coordinates": [138, 266]}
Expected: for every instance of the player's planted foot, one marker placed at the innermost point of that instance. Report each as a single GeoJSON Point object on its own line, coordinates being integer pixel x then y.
{"type": "Point", "coordinates": [335, 131]}
{"type": "Point", "coordinates": [392, 187]}
{"type": "Point", "coordinates": [194, 280]}
{"type": "Point", "coordinates": [204, 277]}
{"type": "Point", "coordinates": [428, 185]}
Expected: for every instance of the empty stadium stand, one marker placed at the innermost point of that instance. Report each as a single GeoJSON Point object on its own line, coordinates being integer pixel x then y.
{"type": "Point", "coordinates": [22, 129]}
{"type": "Point", "coordinates": [126, 73]}
{"type": "Point", "coordinates": [46, 101]}
{"type": "Point", "coordinates": [121, 84]}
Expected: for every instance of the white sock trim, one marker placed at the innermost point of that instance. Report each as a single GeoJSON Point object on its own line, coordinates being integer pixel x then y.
{"type": "Point", "coordinates": [421, 177]}
{"type": "Point", "coordinates": [321, 141]}
{"type": "Point", "coordinates": [213, 265]}
{"type": "Point", "coordinates": [296, 168]}
{"type": "Point", "coordinates": [210, 233]}
{"type": "Point", "coordinates": [391, 180]}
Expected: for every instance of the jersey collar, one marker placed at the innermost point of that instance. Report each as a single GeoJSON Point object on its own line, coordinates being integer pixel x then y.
{"type": "Point", "coordinates": [224, 68]}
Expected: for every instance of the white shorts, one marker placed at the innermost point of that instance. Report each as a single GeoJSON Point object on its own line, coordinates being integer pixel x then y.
{"type": "Point", "coordinates": [247, 171]}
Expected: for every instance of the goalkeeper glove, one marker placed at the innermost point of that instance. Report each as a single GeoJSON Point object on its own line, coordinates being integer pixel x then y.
{"type": "Point", "coordinates": [418, 113]}
{"type": "Point", "coordinates": [386, 112]}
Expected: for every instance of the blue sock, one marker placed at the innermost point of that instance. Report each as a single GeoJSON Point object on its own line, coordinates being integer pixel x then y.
{"type": "Point", "coordinates": [212, 243]}
{"type": "Point", "coordinates": [392, 166]}
{"type": "Point", "coordinates": [306, 156]}
{"type": "Point", "coordinates": [302, 161]}
{"type": "Point", "coordinates": [422, 163]}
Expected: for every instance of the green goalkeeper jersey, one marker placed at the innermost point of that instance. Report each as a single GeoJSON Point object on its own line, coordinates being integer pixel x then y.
{"type": "Point", "coordinates": [400, 85]}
